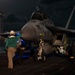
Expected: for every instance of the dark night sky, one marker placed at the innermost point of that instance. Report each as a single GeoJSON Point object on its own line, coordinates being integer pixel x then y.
{"type": "Point", "coordinates": [19, 7]}
{"type": "Point", "coordinates": [58, 10]}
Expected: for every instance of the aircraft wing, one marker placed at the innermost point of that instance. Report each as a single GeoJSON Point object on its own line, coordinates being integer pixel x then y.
{"type": "Point", "coordinates": [6, 34]}
{"type": "Point", "coordinates": [62, 30]}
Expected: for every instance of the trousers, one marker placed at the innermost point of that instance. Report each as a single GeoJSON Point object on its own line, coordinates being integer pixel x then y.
{"type": "Point", "coordinates": [10, 54]}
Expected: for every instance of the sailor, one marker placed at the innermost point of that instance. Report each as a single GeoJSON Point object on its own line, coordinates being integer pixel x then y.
{"type": "Point", "coordinates": [11, 45]}
{"type": "Point", "coordinates": [61, 49]}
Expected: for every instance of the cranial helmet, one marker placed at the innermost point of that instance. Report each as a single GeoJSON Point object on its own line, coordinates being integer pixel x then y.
{"type": "Point", "coordinates": [12, 32]}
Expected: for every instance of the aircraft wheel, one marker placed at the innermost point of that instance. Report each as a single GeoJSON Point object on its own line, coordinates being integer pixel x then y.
{"type": "Point", "coordinates": [35, 57]}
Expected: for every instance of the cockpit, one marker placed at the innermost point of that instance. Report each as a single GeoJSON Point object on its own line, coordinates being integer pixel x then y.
{"type": "Point", "coordinates": [38, 15]}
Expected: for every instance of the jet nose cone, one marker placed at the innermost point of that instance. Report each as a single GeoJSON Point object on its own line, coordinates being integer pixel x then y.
{"type": "Point", "coordinates": [28, 33]}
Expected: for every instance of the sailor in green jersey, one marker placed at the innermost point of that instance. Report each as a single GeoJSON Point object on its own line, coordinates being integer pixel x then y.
{"type": "Point", "coordinates": [11, 46]}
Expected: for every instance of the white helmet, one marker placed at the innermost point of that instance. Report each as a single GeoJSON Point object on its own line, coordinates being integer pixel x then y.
{"type": "Point", "coordinates": [12, 32]}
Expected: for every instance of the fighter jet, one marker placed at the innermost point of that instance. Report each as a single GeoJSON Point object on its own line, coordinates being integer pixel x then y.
{"type": "Point", "coordinates": [41, 27]}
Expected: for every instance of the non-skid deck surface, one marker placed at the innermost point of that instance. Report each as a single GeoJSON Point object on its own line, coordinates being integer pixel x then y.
{"type": "Point", "coordinates": [52, 66]}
